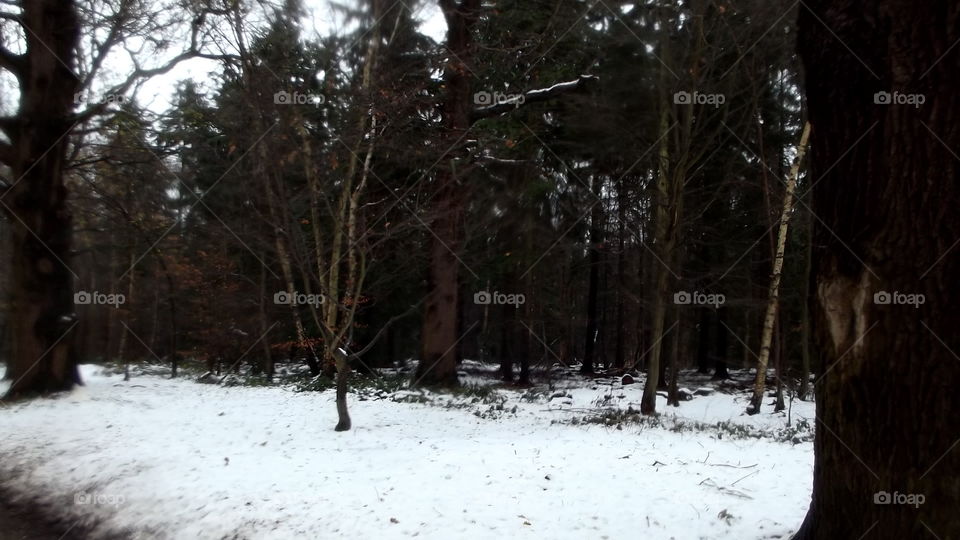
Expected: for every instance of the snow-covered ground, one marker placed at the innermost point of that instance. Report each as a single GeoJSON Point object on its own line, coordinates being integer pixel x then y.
{"type": "Point", "coordinates": [161, 458]}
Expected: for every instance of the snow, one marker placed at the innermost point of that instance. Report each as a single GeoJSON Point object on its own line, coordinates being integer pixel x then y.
{"type": "Point", "coordinates": [162, 458]}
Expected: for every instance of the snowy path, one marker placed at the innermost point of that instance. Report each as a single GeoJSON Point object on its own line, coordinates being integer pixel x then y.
{"type": "Point", "coordinates": [176, 459]}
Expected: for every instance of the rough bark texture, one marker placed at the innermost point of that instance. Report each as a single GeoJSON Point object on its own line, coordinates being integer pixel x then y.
{"type": "Point", "coordinates": [42, 358]}
{"type": "Point", "coordinates": [439, 352]}
{"type": "Point", "coordinates": [887, 396]}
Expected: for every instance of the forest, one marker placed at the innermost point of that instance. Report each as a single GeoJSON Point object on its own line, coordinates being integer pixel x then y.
{"type": "Point", "coordinates": [479, 269]}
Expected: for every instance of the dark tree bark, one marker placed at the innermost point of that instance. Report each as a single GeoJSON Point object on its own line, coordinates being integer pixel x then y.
{"type": "Point", "coordinates": [343, 378]}
{"type": "Point", "coordinates": [803, 389]}
{"type": "Point", "coordinates": [524, 340]}
{"type": "Point", "coordinates": [720, 372]}
{"type": "Point", "coordinates": [593, 286]}
{"type": "Point", "coordinates": [267, 362]}
{"type": "Point", "coordinates": [779, 403]}
{"type": "Point", "coordinates": [703, 340]}
{"type": "Point", "coordinates": [439, 353]}
{"type": "Point", "coordinates": [506, 353]}
{"type": "Point", "coordinates": [673, 393]}
{"type": "Point", "coordinates": [705, 321]}
{"type": "Point", "coordinates": [887, 397]}
{"type": "Point", "coordinates": [41, 359]}
{"type": "Point", "coordinates": [619, 358]}
{"type": "Point", "coordinates": [516, 346]}
{"type": "Point", "coordinates": [172, 309]}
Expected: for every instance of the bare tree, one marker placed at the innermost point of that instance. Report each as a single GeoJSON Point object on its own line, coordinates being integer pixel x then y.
{"type": "Point", "coordinates": [773, 301]}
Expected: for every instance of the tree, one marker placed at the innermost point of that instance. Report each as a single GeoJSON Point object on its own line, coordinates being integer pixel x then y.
{"type": "Point", "coordinates": [593, 283]}
{"type": "Point", "coordinates": [882, 79]}
{"type": "Point", "coordinates": [773, 302]}
{"type": "Point", "coordinates": [62, 56]}
{"type": "Point", "coordinates": [440, 335]}
{"type": "Point", "coordinates": [42, 358]}
{"type": "Point", "coordinates": [439, 353]}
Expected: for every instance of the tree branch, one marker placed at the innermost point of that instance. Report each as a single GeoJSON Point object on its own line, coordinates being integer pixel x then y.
{"type": "Point", "coordinates": [14, 63]}
{"type": "Point", "coordinates": [141, 74]}
{"type": "Point", "coordinates": [6, 157]}
{"type": "Point", "coordinates": [376, 337]}
{"type": "Point", "coordinates": [530, 96]}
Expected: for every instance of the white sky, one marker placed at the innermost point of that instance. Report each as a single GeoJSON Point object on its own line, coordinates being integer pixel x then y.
{"type": "Point", "coordinates": [322, 20]}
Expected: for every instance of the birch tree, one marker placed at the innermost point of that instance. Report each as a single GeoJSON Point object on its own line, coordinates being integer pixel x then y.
{"type": "Point", "coordinates": [773, 299]}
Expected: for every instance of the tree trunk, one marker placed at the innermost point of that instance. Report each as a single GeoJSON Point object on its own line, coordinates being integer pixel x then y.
{"type": "Point", "coordinates": [703, 340]}
{"type": "Point", "coordinates": [780, 341]}
{"type": "Point", "coordinates": [664, 251]}
{"type": "Point", "coordinates": [593, 286]}
{"type": "Point", "coordinates": [523, 337]}
{"type": "Point", "coordinates": [122, 348]}
{"type": "Point", "coordinates": [720, 372]}
{"type": "Point", "coordinates": [172, 305]}
{"type": "Point", "coordinates": [268, 367]}
{"type": "Point", "coordinates": [620, 353]}
{"type": "Point", "coordinates": [440, 353]}
{"type": "Point", "coordinates": [42, 358]}
{"type": "Point", "coordinates": [506, 353]}
{"type": "Point", "coordinates": [343, 374]}
{"type": "Point", "coordinates": [888, 186]}
{"type": "Point", "coordinates": [673, 392]}
{"type": "Point", "coordinates": [773, 298]}
{"type": "Point", "coordinates": [804, 388]}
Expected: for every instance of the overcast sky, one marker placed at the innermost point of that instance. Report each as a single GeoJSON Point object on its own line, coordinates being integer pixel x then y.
{"type": "Point", "coordinates": [322, 20]}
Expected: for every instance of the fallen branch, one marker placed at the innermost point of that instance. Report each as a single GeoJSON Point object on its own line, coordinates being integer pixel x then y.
{"type": "Point", "coordinates": [743, 477]}
{"type": "Point", "coordinates": [725, 490]}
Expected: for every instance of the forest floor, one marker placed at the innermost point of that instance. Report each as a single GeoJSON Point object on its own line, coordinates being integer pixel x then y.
{"type": "Point", "coordinates": [155, 457]}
